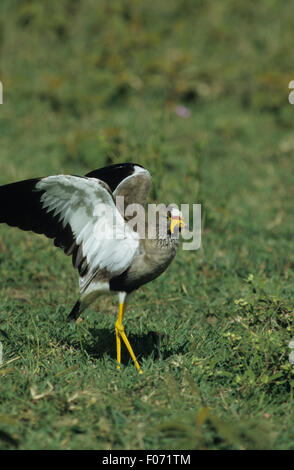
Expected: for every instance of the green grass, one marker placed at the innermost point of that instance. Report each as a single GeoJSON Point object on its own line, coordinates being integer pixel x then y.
{"type": "Point", "coordinates": [90, 83]}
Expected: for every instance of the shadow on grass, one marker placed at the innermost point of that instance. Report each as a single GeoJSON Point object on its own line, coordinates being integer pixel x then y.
{"type": "Point", "coordinates": [152, 344]}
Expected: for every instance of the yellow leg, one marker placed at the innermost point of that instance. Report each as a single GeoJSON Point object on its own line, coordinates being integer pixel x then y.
{"type": "Point", "coordinates": [120, 334]}
{"type": "Point", "coordinates": [118, 341]}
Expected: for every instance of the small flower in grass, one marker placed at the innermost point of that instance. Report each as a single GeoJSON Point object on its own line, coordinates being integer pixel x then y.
{"type": "Point", "coordinates": [241, 302]}
{"type": "Point", "coordinates": [250, 278]}
{"type": "Point", "coordinates": [182, 111]}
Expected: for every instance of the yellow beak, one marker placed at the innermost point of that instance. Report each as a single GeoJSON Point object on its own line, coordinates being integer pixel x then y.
{"type": "Point", "coordinates": [176, 223]}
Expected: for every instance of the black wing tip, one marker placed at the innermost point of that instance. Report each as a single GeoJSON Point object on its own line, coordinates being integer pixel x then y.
{"type": "Point", "coordinates": [127, 166]}
{"type": "Point", "coordinates": [21, 206]}
{"type": "Point", "coordinates": [18, 186]}
{"type": "Point", "coordinates": [114, 174]}
{"type": "Point", "coordinates": [15, 198]}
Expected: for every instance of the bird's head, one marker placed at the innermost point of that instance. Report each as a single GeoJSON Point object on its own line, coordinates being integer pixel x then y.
{"type": "Point", "coordinates": [176, 220]}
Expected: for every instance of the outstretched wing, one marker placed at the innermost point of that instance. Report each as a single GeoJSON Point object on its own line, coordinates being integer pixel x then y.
{"type": "Point", "coordinates": [130, 180]}
{"type": "Point", "coordinates": [81, 216]}
{"type": "Point", "coordinates": [20, 206]}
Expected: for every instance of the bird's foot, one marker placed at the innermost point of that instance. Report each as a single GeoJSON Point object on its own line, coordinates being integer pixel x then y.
{"type": "Point", "coordinates": [120, 334]}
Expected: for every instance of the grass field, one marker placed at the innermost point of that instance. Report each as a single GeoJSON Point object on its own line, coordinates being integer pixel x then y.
{"type": "Point", "coordinates": [89, 83]}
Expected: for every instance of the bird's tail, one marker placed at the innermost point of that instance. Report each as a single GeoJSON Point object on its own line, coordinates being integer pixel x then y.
{"type": "Point", "coordinates": [76, 311]}
{"type": "Point", "coordinates": [82, 303]}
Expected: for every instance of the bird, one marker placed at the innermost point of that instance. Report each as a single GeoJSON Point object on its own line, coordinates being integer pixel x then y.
{"type": "Point", "coordinates": [85, 218]}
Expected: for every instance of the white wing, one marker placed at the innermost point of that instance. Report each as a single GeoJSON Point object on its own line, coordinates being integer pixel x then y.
{"type": "Point", "coordinates": [87, 205]}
